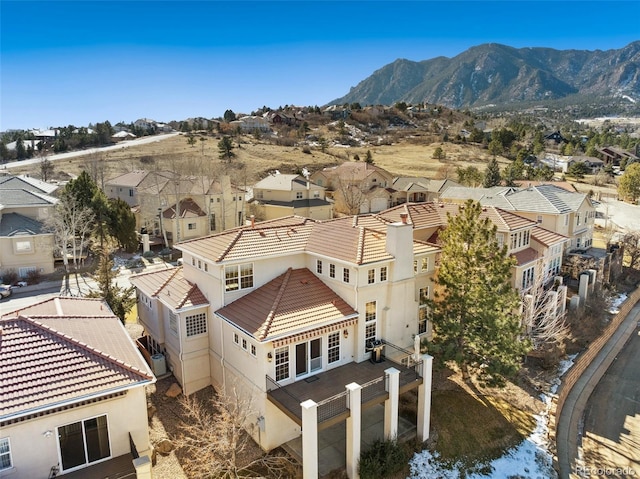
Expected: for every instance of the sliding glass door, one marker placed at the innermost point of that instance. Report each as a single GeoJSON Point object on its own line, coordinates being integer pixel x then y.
{"type": "Point", "coordinates": [84, 442]}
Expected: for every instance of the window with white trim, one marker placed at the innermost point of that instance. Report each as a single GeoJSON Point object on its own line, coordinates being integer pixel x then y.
{"type": "Point", "coordinates": [23, 246]}
{"type": "Point", "coordinates": [500, 240]}
{"type": "Point", "coordinates": [318, 266]}
{"type": "Point", "coordinates": [236, 338]}
{"type": "Point", "coordinates": [84, 442]}
{"type": "Point", "coordinates": [424, 264]}
{"type": "Point", "coordinates": [345, 275]}
{"type": "Point", "coordinates": [383, 273]}
{"type": "Point", "coordinates": [5, 454]}
{"type": "Point", "coordinates": [196, 324]}
{"type": "Point", "coordinates": [332, 270]}
{"type": "Point", "coordinates": [333, 347]}
{"type": "Point", "coordinates": [371, 276]}
{"type": "Point", "coordinates": [370, 321]}
{"type": "Point", "coordinates": [191, 226]}
{"type": "Point", "coordinates": [527, 277]}
{"type": "Point", "coordinates": [238, 277]}
{"type": "Point", "coordinates": [282, 363]}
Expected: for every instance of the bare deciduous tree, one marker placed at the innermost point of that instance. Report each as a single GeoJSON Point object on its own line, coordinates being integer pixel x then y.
{"type": "Point", "coordinates": [349, 196]}
{"type": "Point", "coordinates": [71, 225]}
{"type": "Point", "coordinates": [631, 243]}
{"type": "Point", "coordinates": [544, 313]}
{"type": "Point", "coordinates": [215, 439]}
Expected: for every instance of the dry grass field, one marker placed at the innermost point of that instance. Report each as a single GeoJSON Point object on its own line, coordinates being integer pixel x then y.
{"type": "Point", "coordinates": [254, 158]}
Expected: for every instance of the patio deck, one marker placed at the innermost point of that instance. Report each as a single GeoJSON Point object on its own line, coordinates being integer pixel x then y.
{"type": "Point", "coordinates": [328, 390]}
{"type": "Point", "coordinates": [115, 468]}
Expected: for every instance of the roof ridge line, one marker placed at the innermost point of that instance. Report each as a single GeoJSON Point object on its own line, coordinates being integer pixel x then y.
{"type": "Point", "coordinates": [276, 303]}
{"type": "Point", "coordinates": [171, 276]}
{"type": "Point", "coordinates": [229, 246]}
{"type": "Point", "coordinates": [360, 251]}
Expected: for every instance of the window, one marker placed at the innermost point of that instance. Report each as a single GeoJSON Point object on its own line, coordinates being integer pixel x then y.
{"type": "Point", "coordinates": [500, 240]}
{"type": "Point", "coordinates": [566, 220]}
{"type": "Point", "coordinates": [318, 266]}
{"type": "Point", "coordinates": [578, 219]}
{"type": "Point", "coordinates": [206, 267]}
{"type": "Point", "coordinates": [199, 264]}
{"type": "Point", "coordinates": [239, 217]}
{"type": "Point", "coordinates": [369, 322]}
{"type": "Point", "coordinates": [130, 192]}
{"type": "Point", "coordinates": [23, 246]}
{"type": "Point", "coordinates": [5, 454]}
{"type": "Point", "coordinates": [212, 222]}
{"type": "Point", "coordinates": [423, 310]}
{"type": "Point", "coordinates": [415, 266]}
{"type": "Point", "coordinates": [371, 276]}
{"type": "Point", "coordinates": [424, 265]}
{"type": "Point", "coordinates": [244, 344]}
{"type": "Point", "coordinates": [383, 273]}
{"type": "Point", "coordinates": [333, 347]}
{"type": "Point", "coordinates": [345, 275]}
{"type": "Point", "coordinates": [514, 241]}
{"type": "Point", "coordinates": [527, 234]}
{"type": "Point", "coordinates": [191, 226]}
{"type": "Point", "coordinates": [259, 194]}
{"type": "Point", "coordinates": [316, 194]}
{"type": "Point", "coordinates": [84, 442]}
{"type": "Point", "coordinates": [298, 195]}
{"type": "Point", "coordinates": [527, 277]}
{"type": "Point", "coordinates": [539, 219]}
{"type": "Point", "coordinates": [282, 363]}
{"type": "Point", "coordinates": [173, 322]}
{"type": "Point", "coordinates": [193, 261]}
{"type": "Point", "coordinates": [253, 349]}
{"type": "Point", "coordinates": [332, 270]}
{"type": "Point", "coordinates": [236, 338]}
{"type": "Point", "coordinates": [238, 277]}
{"type": "Point", "coordinates": [196, 324]}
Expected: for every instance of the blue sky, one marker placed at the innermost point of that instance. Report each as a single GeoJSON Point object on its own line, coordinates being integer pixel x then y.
{"type": "Point", "coordinates": [82, 62]}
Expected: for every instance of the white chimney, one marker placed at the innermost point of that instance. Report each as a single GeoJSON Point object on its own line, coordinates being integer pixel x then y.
{"type": "Point", "coordinates": [400, 246]}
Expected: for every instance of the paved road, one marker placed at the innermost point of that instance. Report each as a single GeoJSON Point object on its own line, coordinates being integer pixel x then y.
{"type": "Point", "coordinates": [611, 439]}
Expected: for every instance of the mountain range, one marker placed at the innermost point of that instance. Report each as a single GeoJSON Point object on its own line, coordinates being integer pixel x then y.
{"type": "Point", "coordinates": [493, 74]}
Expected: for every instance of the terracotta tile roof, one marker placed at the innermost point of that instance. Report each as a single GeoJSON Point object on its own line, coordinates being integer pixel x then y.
{"type": "Point", "coordinates": [63, 306]}
{"type": "Point", "coordinates": [429, 215]}
{"type": "Point", "coordinates": [525, 256]}
{"type": "Point", "coordinates": [547, 237]}
{"type": "Point", "coordinates": [284, 235]}
{"type": "Point", "coordinates": [42, 365]}
{"type": "Point", "coordinates": [171, 287]}
{"type": "Point", "coordinates": [188, 209]}
{"type": "Point", "coordinates": [133, 178]}
{"type": "Point", "coordinates": [353, 171]}
{"type": "Point", "coordinates": [293, 302]}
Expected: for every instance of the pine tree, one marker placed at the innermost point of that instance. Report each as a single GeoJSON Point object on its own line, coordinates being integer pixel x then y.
{"type": "Point", "coordinates": [474, 306]}
{"type": "Point", "coordinates": [119, 299]}
{"type": "Point", "coordinates": [492, 174]}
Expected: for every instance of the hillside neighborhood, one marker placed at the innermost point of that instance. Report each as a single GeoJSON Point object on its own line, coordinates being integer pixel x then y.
{"type": "Point", "coordinates": [318, 310]}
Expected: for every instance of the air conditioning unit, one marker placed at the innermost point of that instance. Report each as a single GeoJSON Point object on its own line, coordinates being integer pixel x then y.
{"type": "Point", "coordinates": [158, 364]}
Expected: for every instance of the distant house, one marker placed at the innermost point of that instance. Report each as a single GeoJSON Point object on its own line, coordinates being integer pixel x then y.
{"type": "Point", "coordinates": [73, 393]}
{"type": "Point", "coordinates": [123, 136]}
{"type": "Point", "coordinates": [612, 155]}
{"type": "Point", "coordinates": [356, 186]}
{"type": "Point", "coordinates": [593, 164]}
{"type": "Point", "coordinates": [250, 124]}
{"type": "Point", "coordinates": [418, 189]}
{"type": "Point", "coordinates": [185, 220]}
{"type": "Point", "coordinates": [554, 137]}
{"type": "Point", "coordinates": [285, 195]}
{"type": "Point", "coordinates": [25, 245]}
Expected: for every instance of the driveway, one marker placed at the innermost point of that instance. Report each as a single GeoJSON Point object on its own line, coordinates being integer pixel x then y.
{"type": "Point", "coordinates": [611, 437]}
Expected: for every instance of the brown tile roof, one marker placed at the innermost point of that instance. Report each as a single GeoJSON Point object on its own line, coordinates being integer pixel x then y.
{"type": "Point", "coordinates": [171, 287]}
{"type": "Point", "coordinates": [525, 256]}
{"type": "Point", "coordinates": [133, 179]}
{"type": "Point", "coordinates": [188, 209]}
{"type": "Point", "coordinates": [547, 237]}
{"type": "Point", "coordinates": [284, 235]}
{"type": "Point", "coordinates": [352, 171]}
{"type": "Point", "coordinates": [63, 306]}
{"type": "Point", "coordinates": [293, 302]}
{"type": "Point", "coordinates": [42, 365]}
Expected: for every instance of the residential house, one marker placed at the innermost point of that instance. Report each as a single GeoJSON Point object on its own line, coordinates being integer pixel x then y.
{"type": "Point", "coordinates": [418, 189]}
{"type": "Point", "coordinates": [25, 245]}
{"type": "Point", "coordinates": [185, 220]}
{"type": "Point", "coordinates": [567, 213]}
{"type": "Point", "coordinates": [592, 164]}
{"type": "Point", "coordinates": [281, 195]}
{"type": "Point", "coordinates": [293, 309]}
{"type": "Point", "coordinates": [612, 155]}
{"type": "Point", "coordinates": [554, 137]}
{"type": "Point", "coordinates": [153, 196]}
{"type": "Point", "coordinates": [122, 136]}
{"type": "Point", "coordinates": [73, 393]}
{"type": "Point", "coordinates": [356, 187]}
{"type": "Point", "coordinates": [250, 124]}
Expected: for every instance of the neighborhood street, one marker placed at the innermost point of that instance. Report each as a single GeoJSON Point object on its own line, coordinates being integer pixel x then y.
{"type": "Point", "coordinates": [611, 436]}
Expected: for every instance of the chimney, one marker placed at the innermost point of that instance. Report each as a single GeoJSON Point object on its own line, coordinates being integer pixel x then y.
{"type": "Point", "coordinates": [399, 244]}
{"type": "Point", "coordinates": [253, 221]}
{"type": "Point", "coordinates": [403, 218]}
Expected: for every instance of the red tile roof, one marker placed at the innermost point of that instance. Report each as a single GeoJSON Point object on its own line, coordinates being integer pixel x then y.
{"type": "Point", "coordinates": [293, 302]}
{"type": "Point", "coordinates": [63, 306]}
{"type": "Point", "coordinates": [48, 361]}
{"type": "Point", "coordinates": [170, 286]}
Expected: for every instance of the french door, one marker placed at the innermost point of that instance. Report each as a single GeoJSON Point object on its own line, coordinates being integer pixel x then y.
{"type": "Point", "coordinates": [308, 357]}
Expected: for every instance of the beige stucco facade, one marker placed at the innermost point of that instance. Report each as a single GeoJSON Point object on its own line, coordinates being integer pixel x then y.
{"type": "Point", "coordinates": [27, 252]}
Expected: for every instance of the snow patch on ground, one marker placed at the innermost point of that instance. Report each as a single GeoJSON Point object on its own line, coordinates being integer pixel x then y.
{"type": "Point", "coordinates": [531, 459]}
{"type": "Point", "coordinates": [616, 302]}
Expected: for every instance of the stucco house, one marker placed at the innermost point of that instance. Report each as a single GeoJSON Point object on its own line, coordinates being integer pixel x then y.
{"type": "Point", "coordinates": [409, 189]}
{"type": "Point", "coordinates": [25, 245]}
{"type": "Point", "coordinates": [357, 187]}
{"type": "Point", "coordinates": [281, 195]}
{"type": "Point", "coordinates": [293, 309]}
{"type": "Point", "coordinates": [73, 393]}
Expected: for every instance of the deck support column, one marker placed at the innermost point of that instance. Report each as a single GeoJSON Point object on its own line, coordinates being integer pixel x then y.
{"type": "Point", "coordinates": [424, 398]}
{"type": "Point", "coordinates": [392, 379]}
{"type": "Point", "coordinates": [142, 466]}
{"type": "Point", "coordinates": [354, 393]}
{"type": "Point", "coordinates": [309, 439]}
